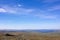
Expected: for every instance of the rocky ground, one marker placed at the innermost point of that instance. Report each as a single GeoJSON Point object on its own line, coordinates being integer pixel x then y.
{"type": "Point", "coordinates": [27, 36]}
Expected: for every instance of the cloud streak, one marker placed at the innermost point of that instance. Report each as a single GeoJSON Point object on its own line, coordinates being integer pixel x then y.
{"type": "Point", "coordinates": [2, 10]}
{"type": "Point", "coordinates": [19, 10]}
{"type": "Point", "coordinates": [50, 1]}
{"type": "Point", "coordinates": [46, 16]}
{"type": "Point", "coordinates": [15, 10]}
{"type": "Point", "coordinates": [54, 8]}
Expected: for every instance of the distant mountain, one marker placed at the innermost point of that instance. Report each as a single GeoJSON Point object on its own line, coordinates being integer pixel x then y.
{"type": "Point", "coordinates": [43, 31]}
{"type": "Point", "coordinates": [27, 32]}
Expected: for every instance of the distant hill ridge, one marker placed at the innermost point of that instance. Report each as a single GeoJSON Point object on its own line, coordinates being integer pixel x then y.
{"type": "Point", "coordinates": [43, 31]}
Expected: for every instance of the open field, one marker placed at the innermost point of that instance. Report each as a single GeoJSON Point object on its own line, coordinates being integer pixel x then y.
{"type": "Point", "coordinates": [28, 36]}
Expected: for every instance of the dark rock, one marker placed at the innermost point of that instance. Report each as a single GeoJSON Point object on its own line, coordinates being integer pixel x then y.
{"type": "Point", "coordinates": [9, 34]}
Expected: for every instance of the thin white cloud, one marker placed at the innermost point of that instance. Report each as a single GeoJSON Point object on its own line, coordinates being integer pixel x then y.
{"type": "Point", "coordinates": [24, 11]}
{"type": "Point", "coordinates": [54, 8]}
{"type": "Point", "coordinates": [2, 10]}
{"type": "Point", "coordinates": [16, 10]}
{"type": "Point", "coordinates": [46, 16]}
{"type": "Point", "coordinates": [19, 5]}
{"type": "Point", "coordinates": [50, 1]}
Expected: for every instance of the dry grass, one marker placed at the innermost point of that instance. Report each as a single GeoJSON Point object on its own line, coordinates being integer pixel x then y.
{"type": "Point", "coordinates": [28, 36]}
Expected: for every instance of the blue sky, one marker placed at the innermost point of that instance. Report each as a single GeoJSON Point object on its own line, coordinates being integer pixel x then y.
{"type": "Point", "coordinates": [29, 14]}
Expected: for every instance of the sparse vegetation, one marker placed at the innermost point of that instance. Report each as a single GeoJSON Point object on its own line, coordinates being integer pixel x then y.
{"type": "Point", "coordinates": [27, 36]}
